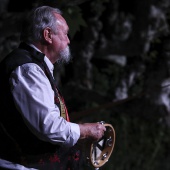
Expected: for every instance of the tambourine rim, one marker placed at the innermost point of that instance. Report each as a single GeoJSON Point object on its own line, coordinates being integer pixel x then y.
{"type": "Point", "coordinates": [97, 166]}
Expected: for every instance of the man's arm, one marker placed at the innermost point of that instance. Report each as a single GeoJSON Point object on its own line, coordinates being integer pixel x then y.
{"type": "Point", "coordinates": [34, 98]}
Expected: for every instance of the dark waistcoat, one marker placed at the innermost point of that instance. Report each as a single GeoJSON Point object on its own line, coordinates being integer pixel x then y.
{"type": "Point", "coordinates": [16, 139]}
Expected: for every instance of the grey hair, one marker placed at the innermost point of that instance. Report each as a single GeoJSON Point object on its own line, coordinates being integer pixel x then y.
{"type": "Point", "coordinates": [36, 21]}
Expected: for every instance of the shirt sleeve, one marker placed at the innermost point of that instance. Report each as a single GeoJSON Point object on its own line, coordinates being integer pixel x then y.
{"type": "Point", "coordinates": [34, 99]}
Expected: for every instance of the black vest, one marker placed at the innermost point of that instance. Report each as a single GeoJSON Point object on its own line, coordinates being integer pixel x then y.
{"type": "Point", "coordinates": [16, 139]}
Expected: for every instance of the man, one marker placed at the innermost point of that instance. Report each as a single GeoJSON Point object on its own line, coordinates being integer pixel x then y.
{"type": "Point", "coordinates": [35, 129]}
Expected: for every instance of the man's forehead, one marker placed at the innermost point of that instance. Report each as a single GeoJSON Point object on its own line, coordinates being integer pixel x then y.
{"type": "Point", "coordinates": [61, 20]}
{"type": "Point", "coordinates": [59, 17]}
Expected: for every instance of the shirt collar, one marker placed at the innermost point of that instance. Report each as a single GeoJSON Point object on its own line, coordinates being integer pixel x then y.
{"type": "Point", "coordinates": [48, 62]}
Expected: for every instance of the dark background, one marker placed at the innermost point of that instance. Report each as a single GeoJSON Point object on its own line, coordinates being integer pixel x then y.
{"type": "Point", "coordinates": [119, 72]}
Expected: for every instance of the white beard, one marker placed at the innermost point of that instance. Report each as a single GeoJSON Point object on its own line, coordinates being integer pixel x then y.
{"type": "Point", "coordinates": [65, 56]}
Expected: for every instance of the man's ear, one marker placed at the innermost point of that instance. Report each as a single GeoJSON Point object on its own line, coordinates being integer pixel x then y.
{"type": "Point", "coordinates": [47, 35]}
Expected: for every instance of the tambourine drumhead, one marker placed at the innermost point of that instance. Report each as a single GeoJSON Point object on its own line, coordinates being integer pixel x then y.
{"type": "Point", "coordinates": [101, 150]}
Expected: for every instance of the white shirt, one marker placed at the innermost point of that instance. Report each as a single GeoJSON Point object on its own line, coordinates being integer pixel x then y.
{"type": "Point", "coordinates": [34, 98]}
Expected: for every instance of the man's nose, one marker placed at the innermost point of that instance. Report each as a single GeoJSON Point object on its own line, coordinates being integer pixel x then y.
{"type": "Point", "coordinates": [68, 40]}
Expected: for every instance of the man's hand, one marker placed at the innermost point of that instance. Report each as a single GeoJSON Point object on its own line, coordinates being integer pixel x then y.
{"type": "Point", "coordinates": [93, 131]}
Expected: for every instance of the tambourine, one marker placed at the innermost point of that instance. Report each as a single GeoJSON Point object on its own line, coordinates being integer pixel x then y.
{"type": "Point", "coordinates": [101, 150]}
